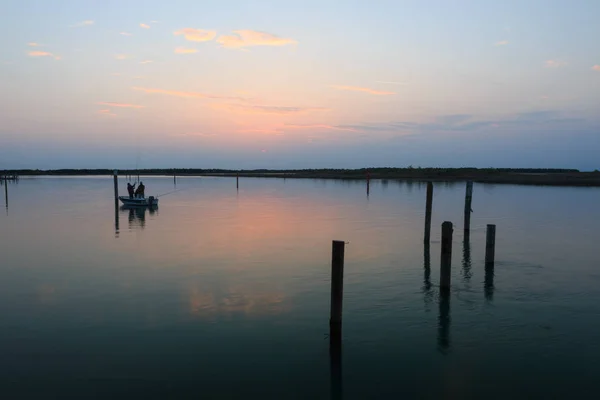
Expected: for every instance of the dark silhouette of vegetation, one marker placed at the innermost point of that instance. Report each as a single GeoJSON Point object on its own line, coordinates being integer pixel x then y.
{"type": "Point", "coordinates": [541, 176]}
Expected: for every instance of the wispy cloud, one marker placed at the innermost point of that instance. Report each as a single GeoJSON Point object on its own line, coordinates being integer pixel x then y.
{"type": "Point", "coordinates": [392, 83]}
{"type": "Point", "coordinates": [43, 54]}
{"type": "Point", "coordinates": [274, 110]}
{"type": "Point", "coordinates": [319, 126]}
{"type": "Point", "coordinates": [146, 62]}
{"type": "Point", "coordinates": [107, 113]}
{"type": "Point", "coordinates": [247, 38]}
{"type": "Point", "coordinates": [120, 105]}
{"type": "Point", "coordinates": [125, 33]}
{"type": "Point", "coordinates": [178, 93]}
{"type": "Point", "coordinates": [501, 43]}
{"type": "Point", "coordinates": [554, 63]}
{"type": "Point", "coordinates": [144, 26]}
{"type": "Point", "coordinates": [33, 44]}
{"type": "Point", "coordinates": [183, 50]}
{"type": "Point", "coordinates": [121, 56]}
{"type": "Point", "coordinates": [83, 23]}
{"type": "Point", "coordinates": [361, 89]}
{"type": "Point", "coordinates": [596, 67]}
{"type": "Point", "coordinates": [196, 35]}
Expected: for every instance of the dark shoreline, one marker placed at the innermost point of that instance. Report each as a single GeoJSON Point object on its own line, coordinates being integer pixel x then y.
{"type": "Point", "coordinates": [546, 177]}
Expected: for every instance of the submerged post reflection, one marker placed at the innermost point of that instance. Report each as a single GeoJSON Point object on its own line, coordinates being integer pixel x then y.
{"type": "Point", "coordinates": [427, 275]}
{"type": "Point", "coordinates": [488, 283]}
{"type": "Point", "coordinates": [335, 369]}
{"type": "Point", "coordinates": [444, 321]}
{"type": "Point", "coordinates": [116, 218]}
{"type": "Point", "coordinates": [466, 262]}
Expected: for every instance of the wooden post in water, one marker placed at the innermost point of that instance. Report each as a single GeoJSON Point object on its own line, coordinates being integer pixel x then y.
{"type": "Point", "coordinates": [174, 179]}
{"type": "Point", "coordinates": [115, 172]}
{"type": "Point", "coordinates": [468, 210]}
{"type": "Point", "coordinates": [428, 204]}
{"type": "Point", "coordinates": [446, 257]}
{"type": "Point", "coordinates": [490, 245]}
{"type": "Point", "coordinates": [368, 182]}
{"type": "Point", "coordinates": [337, 291]}
{"type": "Point", "coordinates": [6, 192]}
{"type": "Point", "coordinates": [237, 181]}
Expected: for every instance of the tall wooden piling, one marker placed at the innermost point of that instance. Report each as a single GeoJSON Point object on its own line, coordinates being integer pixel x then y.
{"type": "Point", "coordinates": [490, 245]}
{"type": "Point", "coordinates": [6, 192]}
{"type": "Point", "coordinates": [337, 291]}
{"type": "Point", "coordinates": [237, 181]}
{"type": "Point", "coordinates": [468, 210]}
{"type": "Point", "coordinates": [116, 183]}
{"type": "Point", "coordinates": [174, 179]}
{"type": "Point", "coordinates": [428, 205]}
{"type": "Point", "coordinates": [446, 256]}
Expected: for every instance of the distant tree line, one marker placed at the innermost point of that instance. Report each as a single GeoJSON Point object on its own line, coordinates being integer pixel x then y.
{"type": "Point", "coordinates": [378, 171]}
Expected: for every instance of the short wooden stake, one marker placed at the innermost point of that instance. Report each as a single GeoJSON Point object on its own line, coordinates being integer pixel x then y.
{"type": "Point", "coordinates": [490, 245]}
{"type": "Point", "coordinates": [446, 256]}
{"type": "Point", "coordinates": [428, 204]}
{"type": "Point", "coordinates": [337, 291]}
{"type": "Point", "coordinates": [116, 184]}
{"type": "Point", "coordinates": [468, 210]}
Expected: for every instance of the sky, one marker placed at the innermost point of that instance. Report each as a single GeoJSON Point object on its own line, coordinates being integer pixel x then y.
{"type": "Point", "coordinates": [299, 84]}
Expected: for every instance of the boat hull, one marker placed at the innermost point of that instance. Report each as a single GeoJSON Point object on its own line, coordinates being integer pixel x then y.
{"type": "Point", "coordinates": [139, 201]}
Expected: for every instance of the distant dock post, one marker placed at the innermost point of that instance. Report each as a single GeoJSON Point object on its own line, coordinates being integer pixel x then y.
{"type": "Point", "coordinates": [368, 182]}
{"type": "Point", "coordinates": [428, 205]}
{"type": "Point", "coordinates": [490, 245]}
{"type": "Point", "coordinates": [337, 291]}
{"type": "Point", "coordinates": [174, 178]}
{"type": "Point", "coordinates": [116, 182]}
{"type": "Point", "coordinates": [468, 210]}
{"type": "Point", "coordinates": [237, 181]}
{"type": "Point", "coordinates": [446, 256]}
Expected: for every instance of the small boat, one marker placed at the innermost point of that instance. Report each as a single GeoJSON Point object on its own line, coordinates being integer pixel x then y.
{"type": "Point", "coordinates": [151, 201]}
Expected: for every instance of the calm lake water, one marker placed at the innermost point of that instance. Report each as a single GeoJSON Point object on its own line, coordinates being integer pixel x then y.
{"type": "Point", "coordinates": [225, 294]}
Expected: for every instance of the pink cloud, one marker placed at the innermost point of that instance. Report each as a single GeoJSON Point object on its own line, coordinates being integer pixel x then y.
{"type": "Point", "coordinates": [275, 110]}
{"type": "Point", "coordinates": [183, 50]}
{"type": "Point", "coordinates": [144, 26]}
{"type": "Point", "coordinates": [596, 67]}
{"type": "Point", "coordinates": [196, 35]}
{"type": "Point", "coordinates": [247, 38]}
{"type": "Point", "coordinates": [43, 54]}
{"type": "Point", "coordinates": [554, 64]}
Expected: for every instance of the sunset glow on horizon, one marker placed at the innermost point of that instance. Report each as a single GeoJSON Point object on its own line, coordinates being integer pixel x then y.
{"type": "Point", "coordinates": [299, 84]}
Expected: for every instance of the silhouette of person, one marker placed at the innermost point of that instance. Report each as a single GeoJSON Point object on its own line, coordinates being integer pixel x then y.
{"type": "Point", "coordinates": [139, 192]}
{"type": "Point", "coordinates": [130, 189]}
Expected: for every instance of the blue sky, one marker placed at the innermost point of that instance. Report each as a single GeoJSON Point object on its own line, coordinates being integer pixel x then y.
{"type": "Point", "coordinates": [290, 84]}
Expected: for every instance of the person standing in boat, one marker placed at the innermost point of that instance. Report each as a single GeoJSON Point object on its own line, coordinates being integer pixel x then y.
{"type": "Point", "coordinates": [139, 192]}
{"type": "Point", "coordinates": [130, 189]}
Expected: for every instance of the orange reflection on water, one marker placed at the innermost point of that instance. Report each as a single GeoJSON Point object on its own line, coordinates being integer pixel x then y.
{"type": "Point", "coordinates": [238, 299]}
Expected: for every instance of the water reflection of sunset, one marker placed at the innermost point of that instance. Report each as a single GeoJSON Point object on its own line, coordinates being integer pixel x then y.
{"type": "Point", "coordinates": [236, 299]}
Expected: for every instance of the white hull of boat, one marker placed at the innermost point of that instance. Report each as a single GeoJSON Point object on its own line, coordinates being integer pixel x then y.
{"type": "Point", "coordinates": [139, 201]}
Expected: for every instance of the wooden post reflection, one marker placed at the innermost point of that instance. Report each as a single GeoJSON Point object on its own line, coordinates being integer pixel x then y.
{"type": "Point", "coordinates": [335, 370]}
{"type": "Point", "coordinates": [444, 322]}
{"type": "Point", "coordinates": [466, 264]}
{"type": "Point", "coordinates": [116, 218]}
